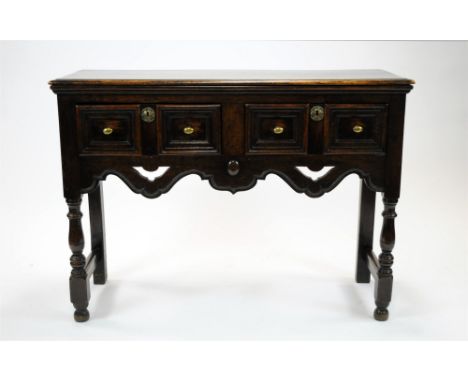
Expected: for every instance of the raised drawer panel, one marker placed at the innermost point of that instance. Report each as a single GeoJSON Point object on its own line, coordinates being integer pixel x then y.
{"type": "Point", "coordinates": [276, 128]}
{"type": "Point", "coordinates": [189, 129]}
{"type": "Point", "coordinates": [108, 129]}
{"type": "Point", "coordinates": [355, 128]}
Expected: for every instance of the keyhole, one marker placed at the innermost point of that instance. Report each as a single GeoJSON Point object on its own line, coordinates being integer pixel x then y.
{"type": "Point", "coordinates": [316, 114]}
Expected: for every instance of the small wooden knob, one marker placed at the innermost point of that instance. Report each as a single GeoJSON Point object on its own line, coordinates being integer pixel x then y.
{"type": "Point", "coordinates": [233, 167]}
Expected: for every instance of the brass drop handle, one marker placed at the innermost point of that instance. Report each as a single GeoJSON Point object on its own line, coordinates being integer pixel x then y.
{"type": "Point", "coordinates": [358, 129]}
{"type": "Point", "coordinates": [107, 130]}
{"type": "Point", "coordinates": [188, 130]}
{"type": "Point", "coordinates": [278, 130]}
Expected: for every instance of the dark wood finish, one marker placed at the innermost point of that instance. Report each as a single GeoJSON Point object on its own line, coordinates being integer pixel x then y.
{"type": "Point", "coordinates": [263, 120]}
{"type": "Point", "coordinates": [204, 122]}
{"type": "Point", "coordinates": [98, 234]}
{"type": "Point", "coordinates": [339, 135]}
{"type": "Point", "coordinates": [232, 128]}
{"type": "Point", "coordinates": [79, 280]}
{"type": "Point", "coordinates": [230, 77]}
{"type": "Point", "coordinates": [366, 233]}
{"type": "Point", "coordinates": [383, 285]}
{"type": "Point", "coordinates": [122, 121]}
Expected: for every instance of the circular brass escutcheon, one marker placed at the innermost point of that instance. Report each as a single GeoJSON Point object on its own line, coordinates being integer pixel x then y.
{"type": "Point", "coordinates": [148, 115]}
{"type": "Point", "coordinates": [317, 113]}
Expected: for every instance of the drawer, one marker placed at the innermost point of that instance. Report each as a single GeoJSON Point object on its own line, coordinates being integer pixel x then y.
{"type": "Point", "coordinates": [108, 128]}
{"type": "Point", "coordinates": [276, 128]}
{"type": "Point", "coordinates": [355, 127]}
{"type": "Point", "coordinates": [194, 129]}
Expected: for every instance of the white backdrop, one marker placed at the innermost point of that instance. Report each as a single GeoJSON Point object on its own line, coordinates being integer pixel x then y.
{"type": "Point", "coordinates": [265, 264]}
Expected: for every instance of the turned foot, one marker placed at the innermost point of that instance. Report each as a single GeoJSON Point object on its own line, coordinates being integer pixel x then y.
{"type": "Point", "coordinates": [381, 314]}
{"type": "Point", "coordinates": [81, 315]}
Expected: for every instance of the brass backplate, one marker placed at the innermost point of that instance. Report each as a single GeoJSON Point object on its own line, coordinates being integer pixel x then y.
{"type": "Point", "coordinates": [148, 115]}
{"type": "Point", "coordinates": [317, 113]}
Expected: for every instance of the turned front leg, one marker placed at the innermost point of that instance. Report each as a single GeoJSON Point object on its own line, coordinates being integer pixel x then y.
{"type": "Point", "coordinates": [383, 285]}
{"type": "Point", "coordinates": [98, 239]}
{"type": "Point", "coordinates": [79, 281]}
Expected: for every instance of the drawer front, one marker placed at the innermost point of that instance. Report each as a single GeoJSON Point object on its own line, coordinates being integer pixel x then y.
{"type": "Point", "coordinates": [355, 128]}
{"type": "Point", "coordinates": [189, 129]}
{"type": "Point", "coordinates": [108, 129]}
{"type": "Point", "coordinates": [276, 128]}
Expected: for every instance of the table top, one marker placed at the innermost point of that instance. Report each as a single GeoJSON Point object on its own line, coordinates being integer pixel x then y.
{"type": "Point", "coordinates": [233, 77]}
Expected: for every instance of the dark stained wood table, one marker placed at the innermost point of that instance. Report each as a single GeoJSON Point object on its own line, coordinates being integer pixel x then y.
{"type": "Point", "coordinates": [231, 128]}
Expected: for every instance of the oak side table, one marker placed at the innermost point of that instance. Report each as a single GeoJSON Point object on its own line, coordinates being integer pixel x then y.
{"type": "Point", "coordinates": [231, 128]}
